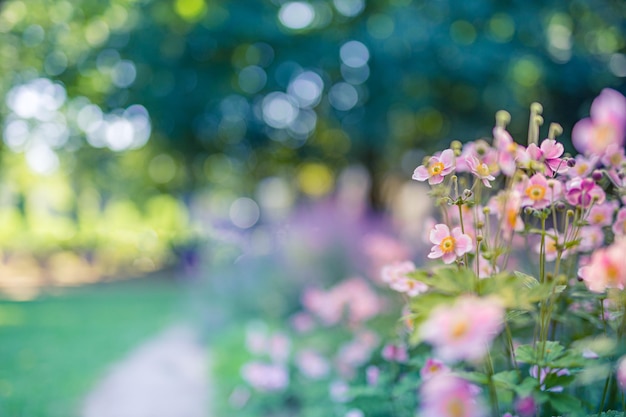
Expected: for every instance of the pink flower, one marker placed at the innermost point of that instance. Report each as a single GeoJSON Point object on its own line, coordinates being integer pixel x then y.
{"type": "Point", "coordinates": [605, 127]}
{"type": "Point", "coordinates": [583, 192]}
{"type": "Point", "coordinates": [480, 170]}
{"type": "Point", "coordinates": [508, 151]}
{"type": "Point", "coordinates": [447, 395]}
{"type": "Point", "coordinates": [606, 269]}
{"type": "Point", "coordinates": [619, 227]}
{"type": "Point", "coordinates": [613, 157]}
{"type": "Point", "coordinates": [480, 150]}
{"type": "Point", "coordinates": [438, 167]}
{"type": "Point", "coordinates": [621, 373]}
{"type": "Point", "coordinates": [312, 365]}
{"type": "Point", "coordinates": [433, 367]}
{"type": "Point", "coordinates": [536, 192]}
{"type": "Point", "coordinates": [507, 206]}
{"type": "Point", "coordinates": [602, 214]}
{"type": "Point", "coordinates": [372, 374]}
{"type": "Point", "coordinates": [584, 166]}
{"type": "Point", "coordinates": [592, 237]}
{"type": "Point", "coordinates": [526, 407]}
{"type": "Point", "coordinates": [396, 275]}
{"type": "Point", "coordinates": [449, 245]}
{"type": "Point", "coordinates": [395, 353]}
{"type": "Point", "coordinates": [550, 155]}
{"type": "Point", "coordinates": [464, 330]}
{"type": "Point", "coordinates": [265, 376]}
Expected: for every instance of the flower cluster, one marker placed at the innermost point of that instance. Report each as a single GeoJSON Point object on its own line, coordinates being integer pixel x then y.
{"type": "Point", "coordinates": [530, 296]}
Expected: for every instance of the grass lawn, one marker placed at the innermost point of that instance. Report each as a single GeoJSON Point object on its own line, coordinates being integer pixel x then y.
{"type": "Point", "coordinates": [53, 349]}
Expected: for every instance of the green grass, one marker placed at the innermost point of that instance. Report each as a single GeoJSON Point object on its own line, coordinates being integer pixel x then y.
{"type": "Point", "coordinates": [54, 349]}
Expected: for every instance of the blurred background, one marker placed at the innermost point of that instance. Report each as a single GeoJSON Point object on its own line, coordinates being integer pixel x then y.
{"type": "Point", "coordinates": [150, 145]}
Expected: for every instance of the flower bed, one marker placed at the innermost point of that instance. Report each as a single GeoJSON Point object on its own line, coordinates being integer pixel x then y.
{"type": "Point", "coordinates": [521, 310]}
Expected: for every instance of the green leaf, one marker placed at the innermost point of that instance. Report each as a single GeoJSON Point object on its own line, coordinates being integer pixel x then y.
{"type": "Point", "coordinates": [528, 280]}
{"type": "Point", "coordinates": [507, 379]}
{"type": "Point", "coordinates": [475, 377]}
{"type": "Point", "coordinates": [565, 403]}
{"type": "Point", "coordinates": [526, 354]}
{"type": "Point", "coordinates": [527, 386]}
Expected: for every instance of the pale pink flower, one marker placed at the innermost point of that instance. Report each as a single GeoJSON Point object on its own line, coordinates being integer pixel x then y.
{"type": "Point", "coordinates": [395, 353]}
{"type": "Point", "coordinates": [447, 395]}
{"type": "Point", "coordinates": [396, 275]}
{"type": "Point", "coordinates": [508, 151]}
{"type": "Point", "coordinates": [356, 352]}
{"type": "Point", "coordinates": [449, 245]}
{"type": "Point", "coordinates": [614, 157]}
{"type": "Point", "coordinates": [396, 271]}
{"type": "Point", "coordinates": [438, 167]}
{"type": "Point", "coordinates": [602, 214]}
{"type": "Point", "coordinates": [409, 286]}
{"type": "Point", "coordinates": [549, 154]}
{"type": "Point", "coordinates": [480, 170]}
{"type": "Point", "coordinates": [584, 166]}
{"type": "Point", "coordinates": [339, 391]}
{"type": "Point", "coordinates": [583, 192]}
{"type": "Point", "coordinates": [372, 374]}
{"type": "Point", "coordinates": [302, 322]}
{"type": "Point", "coordinates": [620, 373]}
{"type": "Point", "coordinates": [480, 150]}
{"type": "Point", "coordinates": [536, 192]}
{"type": "Point", "coordinates": [354, 412]}
{"type": "Point", "coordinates": [312, 365]}
{"type": "Point", "coordinates": [352, 299]}
{"type": "Point", "coordinates": [605, 127]}
{"type": "Point", "coordinates": [606, 269]}
{"type": "Point", "coordinates": [279, 347]}
{"type": "Point", "coordinates": [464, 330]}
{"type": "Point", "coordinates": [507, 206]}
{"type": "Point", "coordinates": [433, 367]}
{"type": "Point", "coordinates": [619, 227]}
{"type": "Point", "coordinates": [591, 238]}
{"type": "Point", "coordinates": [265, 376]}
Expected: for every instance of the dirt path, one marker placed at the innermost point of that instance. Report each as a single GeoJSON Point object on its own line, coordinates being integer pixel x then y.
{"type": "Point", "coordinates": [165, 377]}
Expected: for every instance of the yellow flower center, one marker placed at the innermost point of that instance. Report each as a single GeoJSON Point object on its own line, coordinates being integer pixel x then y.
{"type": "Point", "coordinates": [482, 170]}
{"type": "Point", "coordinates": [456, 408]}
{"type": "Point", "coordinates": [459, 329]}
{"type": "Point", "coordinates": [447, 244]}
{"type": "Point", "coordinates": [511, 147]}
{"type": "Point", "coordinates": [598, 217]}
{"type": "Point", "coordinates": [536, 192]}
{"type": "Point", "coordinates": [436, 168]}
{"type": "Point", "coordinates": [581, 168]}
{"type": "Point", "coordinates": [603, 134]}
{"type": "Point", "coordinates": [511, 217]}
{"type": "Point", "coordinates": [612, 274]}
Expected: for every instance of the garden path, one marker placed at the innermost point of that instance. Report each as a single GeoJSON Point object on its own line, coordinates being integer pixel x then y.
{"type": "Point", "coordinates": [165, 377]}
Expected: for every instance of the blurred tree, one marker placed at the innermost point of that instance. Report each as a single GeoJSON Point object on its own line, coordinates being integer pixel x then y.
{"type": "Point", "coordinates": [258, 87]}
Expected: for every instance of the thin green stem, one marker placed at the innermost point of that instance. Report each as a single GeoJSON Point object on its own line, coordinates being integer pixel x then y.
{"type": "Point", "coordinates": [493, 395]}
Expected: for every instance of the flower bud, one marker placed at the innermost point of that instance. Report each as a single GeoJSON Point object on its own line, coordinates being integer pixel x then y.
{"type": "Point", "coordinates": [571, 162]}
{"type": "Point", "coordinates": [597, 175]}
{"type": "Point", "coordinates": [560, 206]}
